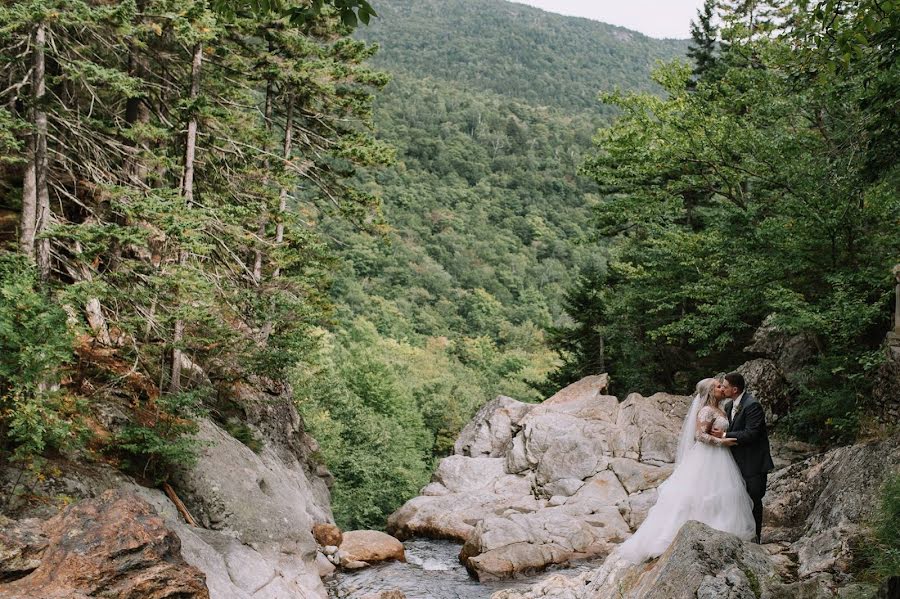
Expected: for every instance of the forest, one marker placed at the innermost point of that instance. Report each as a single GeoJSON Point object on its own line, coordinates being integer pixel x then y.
{"type": "Point", "coordinates": [405, 214]}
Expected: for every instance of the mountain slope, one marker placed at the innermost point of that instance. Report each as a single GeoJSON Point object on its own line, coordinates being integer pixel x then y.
{"type": "Point", "coordinates": [515, 50]}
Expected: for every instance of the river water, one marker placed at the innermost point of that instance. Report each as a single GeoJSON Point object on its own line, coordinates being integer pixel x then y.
{"type": "Point", "coordinates": [431, 571]}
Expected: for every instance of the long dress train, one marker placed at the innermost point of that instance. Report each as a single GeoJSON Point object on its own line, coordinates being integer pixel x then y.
{"type": "Point", "coordinates": [706, 485]}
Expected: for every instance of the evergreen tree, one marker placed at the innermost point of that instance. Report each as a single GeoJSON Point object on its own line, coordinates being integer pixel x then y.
{"type": "Point", "coordinates": [703, 48]}
{"type": "Point", "coordinates": [581, 345]}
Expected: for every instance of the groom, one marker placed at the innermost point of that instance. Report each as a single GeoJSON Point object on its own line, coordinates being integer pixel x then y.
{"type": "Point", "coordinates": [749, 441]}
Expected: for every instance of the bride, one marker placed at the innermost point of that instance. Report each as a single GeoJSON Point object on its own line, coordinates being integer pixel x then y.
{"type": "Point", "coordinates": [706, 484]}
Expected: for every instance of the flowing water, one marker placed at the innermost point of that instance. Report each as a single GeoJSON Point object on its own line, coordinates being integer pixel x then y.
{"type": "Point", "coordinates": [431, 571]}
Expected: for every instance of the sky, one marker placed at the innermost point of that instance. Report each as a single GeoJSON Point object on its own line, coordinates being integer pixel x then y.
{"type": "Point", "coordinates": [656, 18]}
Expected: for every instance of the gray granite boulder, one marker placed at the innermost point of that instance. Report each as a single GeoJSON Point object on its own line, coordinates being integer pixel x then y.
{"type": "Point", "coordinates": [569, 479]}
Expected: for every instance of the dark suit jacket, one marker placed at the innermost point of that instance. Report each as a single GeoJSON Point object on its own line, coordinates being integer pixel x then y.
{"type": "Point", "coordinates": [752, 452]}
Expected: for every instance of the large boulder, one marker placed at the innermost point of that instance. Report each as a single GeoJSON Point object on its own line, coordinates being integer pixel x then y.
{"type": "Point", "coordinates": [791, 353]}
{"type": "Point", "coordinates": [819, 508]}
{"type": "Point", "coordinates": [371, 546]}
{"type": "Point", "coordinates": [255, 509]}
{"type": "Point", "coordinates": [701, 563]}
{"type": "Point", "coordinates": [567, 479]}
{"type": "Point", "coordinates": [768, 385]}
{"type": "Point", "coordinates": [114, 546]}
{"type": "Point", "coordinates": [22, 543]}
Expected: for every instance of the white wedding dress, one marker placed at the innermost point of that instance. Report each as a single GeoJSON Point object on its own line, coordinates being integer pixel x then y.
{"type": "Point", "coordinates": [706, 485]}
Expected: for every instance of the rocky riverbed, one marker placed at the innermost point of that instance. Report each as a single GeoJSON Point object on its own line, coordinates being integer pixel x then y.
{"type": "Point", "coordinates": [432, 571]}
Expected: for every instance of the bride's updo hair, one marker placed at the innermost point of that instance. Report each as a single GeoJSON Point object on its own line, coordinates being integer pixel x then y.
{"type": "Point", "coordinates": [705, 390]}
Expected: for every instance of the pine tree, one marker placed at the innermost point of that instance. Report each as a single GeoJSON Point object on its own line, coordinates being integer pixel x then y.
{"type": "Point", "coordinates": [704, 40]}
{"type": "Point", "coordinates": [581, 345]}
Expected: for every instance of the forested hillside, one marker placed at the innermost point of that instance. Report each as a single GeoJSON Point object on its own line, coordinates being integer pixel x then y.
{"type": "Point", "coordinates": [491, 109]}
{"type": "Point", "coordinates": [517, 51]}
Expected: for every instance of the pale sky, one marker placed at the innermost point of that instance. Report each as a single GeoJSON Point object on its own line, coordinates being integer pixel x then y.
{"type": "Point", "coordinates": [656, 18]}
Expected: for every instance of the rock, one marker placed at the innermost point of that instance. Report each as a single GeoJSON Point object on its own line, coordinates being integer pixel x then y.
{"type": "Point", "coordinates": [505, 547]}
{"type": "Point", "coordinates": [22, 544]}
{"type": "Point", "coordinates": [458, 473]}
{"type": "Point", "coordinates": [816, 512]}
{"type": "Point", "coordinates": [602, 488]}
{"type": "Point", "coordinates": [395, 594]}
{"type": "Point", "coordinates": [638, 505]}
{"type": "Point", "coordinates": [699, 557]}
{"type": "Point", "coordinates": [768, 385]}
{"type": "Point", "coordinates": [330, 549]}
{"type": "Point", "coordinates": [588, 388]}
{"type": "Point", "coordinates": [327, 534]}
{"type": "Point", "coordinates": [820, 507]}
{"type": "Point", "coordinates": [786, 452]}
{"type": "Point", "coordinates": [354, 564]}
{"type": "Point", "coordinates": [371, 546]}
{"type": "Point", "coordinates": [324, 565]}
{"type": "Point", "coordinates": [491, 430]}
{"type": "Point", "coordinates": [636, 476]}
{"type": "Point", "coordinates": [262, 505]}
{"type": "Point", "coordinates": [791, 353]}
{"type": "Point", "coordinates": [575, 473]}
{"type": "Point", "coordinates": [259, 507]}
{"type": "Point", "coordinates": [112, 546]}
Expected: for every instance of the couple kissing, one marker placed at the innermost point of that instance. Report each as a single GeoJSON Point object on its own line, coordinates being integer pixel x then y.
{"type": "Point", "coordinates": [721, 466]}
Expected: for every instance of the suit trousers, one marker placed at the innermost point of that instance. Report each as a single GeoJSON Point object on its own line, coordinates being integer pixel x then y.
{"type": "Point", "coordinates": [756, 488]}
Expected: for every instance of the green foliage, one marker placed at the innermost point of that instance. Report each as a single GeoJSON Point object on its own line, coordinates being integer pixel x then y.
{"type": "Point", "coordinates": [884, 550]}
{"type": "Point", "coordinates": [243, 433]}
{"type": "Point", "coordinates": [367, 421]}
{"type": "Point", "coordinates": [581, 343]}
{"type": "Point", "coordinates": [483, 205]}
{"type": "Point", "coordinates": [746, 192]}
{"type": "Point", "coordinates": [224, 273]}
{"type": "Point", "coordinates": [162, 438]}
{"type": "Point", "coordinates": [35, 349]}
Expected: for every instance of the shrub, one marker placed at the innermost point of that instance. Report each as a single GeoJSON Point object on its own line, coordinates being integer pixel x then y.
{"type": "Point", "coordinates": [162, 440]}
{"type": "Point", "coordinates": [35, 348]}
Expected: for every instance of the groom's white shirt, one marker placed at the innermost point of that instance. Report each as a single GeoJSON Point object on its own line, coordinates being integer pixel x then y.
{"type": "Point", "coordinates": [736, 404]}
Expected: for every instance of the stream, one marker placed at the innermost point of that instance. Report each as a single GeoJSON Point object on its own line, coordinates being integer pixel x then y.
{"type": "Point", "coordinates": [431, 571]}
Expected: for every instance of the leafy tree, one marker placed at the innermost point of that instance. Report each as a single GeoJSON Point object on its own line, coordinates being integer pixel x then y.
{"type": "Point", "coordinates": [748, 194]}
{"type": "Point", "coordinates": [169, 163]}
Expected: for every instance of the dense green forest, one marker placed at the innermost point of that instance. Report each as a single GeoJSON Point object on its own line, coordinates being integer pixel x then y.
{"type": "Point", "coordinates": [487, 224]}
{"type": "Point", "coordinates": [764, 182]}
{"type": "Point", "coordinates": [522, 53]}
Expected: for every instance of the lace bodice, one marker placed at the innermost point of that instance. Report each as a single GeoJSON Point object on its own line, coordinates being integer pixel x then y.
{"type": "Point", "coordinates": [707, 419]}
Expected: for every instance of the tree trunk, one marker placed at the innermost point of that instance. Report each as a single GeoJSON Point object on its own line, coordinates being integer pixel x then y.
{"type": "Point", "coordinates": [29, 205]}
{"type": "Point", "coordinates": [42, 222]}
{"type": "Point", "coordinates": [282, 200]}
{"type": "Point", "coordinates": [264, 214]}
{"type": "Point", "coordinates": [187, 192]}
